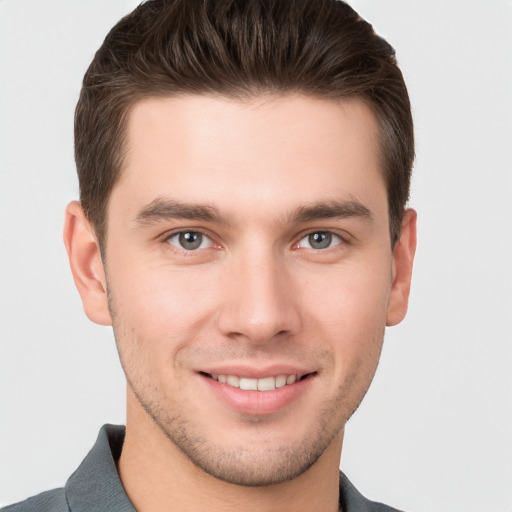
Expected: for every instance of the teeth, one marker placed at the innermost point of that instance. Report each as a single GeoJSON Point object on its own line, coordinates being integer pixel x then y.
{"type": "Point", "coordinates": [248, 384]}
{"type": "Point", "coordinates": [234, 381]}
{"type": "Point", "coordinates": [265, 384]}
{"type": "Point", "coordinates": [280, 381]}
{"type": "Point", "coordinates": [291, 379]}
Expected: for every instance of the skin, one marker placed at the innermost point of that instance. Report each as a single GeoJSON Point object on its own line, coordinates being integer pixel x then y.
{"type": "Point", "coordinates": [255, 294]}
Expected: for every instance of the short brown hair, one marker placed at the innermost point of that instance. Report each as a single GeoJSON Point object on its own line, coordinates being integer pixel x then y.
{"type": "Point", "coordinates": [240, 49]}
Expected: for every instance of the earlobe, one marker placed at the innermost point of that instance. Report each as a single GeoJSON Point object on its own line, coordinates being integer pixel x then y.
{"type": "Point", "coordinates": [403, 258]}
{"type": "Point", "coordinates": [86, 264]}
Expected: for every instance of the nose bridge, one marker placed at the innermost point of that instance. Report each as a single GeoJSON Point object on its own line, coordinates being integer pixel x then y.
{"type": "Point", "coordinates": [258, 303]}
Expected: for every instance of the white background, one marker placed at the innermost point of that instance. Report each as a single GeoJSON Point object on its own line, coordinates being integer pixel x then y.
{"type": "Point", "coordinates": [435, 431]}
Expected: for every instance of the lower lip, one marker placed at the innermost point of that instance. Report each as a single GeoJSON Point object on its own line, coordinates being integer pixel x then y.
{"type": "Point", "coordinates": [258, 403]}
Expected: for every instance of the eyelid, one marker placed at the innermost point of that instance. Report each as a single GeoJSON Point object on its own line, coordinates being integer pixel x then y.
{"type": "Point", "coordinates": [178, 231]}
{"type": "Point", "coordinates": [343, 236]}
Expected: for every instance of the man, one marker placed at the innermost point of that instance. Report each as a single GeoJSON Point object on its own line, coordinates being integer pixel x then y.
{"type": "Point", "coordinates": [244, 169]}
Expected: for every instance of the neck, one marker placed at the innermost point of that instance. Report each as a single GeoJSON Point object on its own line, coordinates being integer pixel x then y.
{"type": "Point", "coordinates": [157, 476]}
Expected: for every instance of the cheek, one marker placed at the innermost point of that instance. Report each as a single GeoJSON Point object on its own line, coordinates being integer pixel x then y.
{"type": "Point", "coordinates": [162, 307]}
{"type": "Point", "coordinates": [350, 312]}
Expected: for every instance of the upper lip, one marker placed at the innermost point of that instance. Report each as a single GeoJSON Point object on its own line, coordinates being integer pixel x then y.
{"type": "Point", "coordinates": [254, 372]}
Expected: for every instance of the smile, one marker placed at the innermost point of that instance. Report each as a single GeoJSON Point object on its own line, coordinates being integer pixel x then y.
{"type": "Point", "coordinates": [264, 384]}
{"type": "Point", "coordinates": [254, 392]}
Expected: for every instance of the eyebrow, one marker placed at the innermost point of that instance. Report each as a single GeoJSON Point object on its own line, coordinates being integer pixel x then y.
{"type": "Point", "coordinates": [165, 209]}
{"type": "Point", "coordinates": [332, 210]}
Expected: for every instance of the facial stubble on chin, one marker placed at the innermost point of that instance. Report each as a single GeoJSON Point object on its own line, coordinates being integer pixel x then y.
{"type": "Point", "coordinates": [244, 465]}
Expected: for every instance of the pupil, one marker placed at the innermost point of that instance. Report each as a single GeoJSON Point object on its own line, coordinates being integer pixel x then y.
{"type": "Point", "coordinates": [191, 240]}
{"type": "Point", "coordinates": [320, 240]}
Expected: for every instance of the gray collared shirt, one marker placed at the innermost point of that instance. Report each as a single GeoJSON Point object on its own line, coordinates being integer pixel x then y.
{"type": "Point", "coordinates": [96, 487]}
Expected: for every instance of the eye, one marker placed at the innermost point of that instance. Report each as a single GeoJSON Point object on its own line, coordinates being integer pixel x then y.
{"type": "Point", "coordinates": [320, 240]}
{"type": "Point", "coordinates": [189, 240]}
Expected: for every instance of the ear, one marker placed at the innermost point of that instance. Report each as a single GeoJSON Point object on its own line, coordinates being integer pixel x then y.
{"type": "Point", "coordinates": [86, 264]}
{"type": "Point", "coordinates": [403, 257]}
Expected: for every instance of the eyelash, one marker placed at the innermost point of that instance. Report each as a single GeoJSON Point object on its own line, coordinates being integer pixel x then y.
{"type": "Point", "coordinates": [341, 240]}
{"type": "Point", "coordinates": [331, 235]}
{"type": "Point", "coordinates": [189, 231]}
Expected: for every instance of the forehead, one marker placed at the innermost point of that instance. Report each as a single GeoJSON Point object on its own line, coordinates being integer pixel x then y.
{"type": "Point", "coordinates": [281, 151]}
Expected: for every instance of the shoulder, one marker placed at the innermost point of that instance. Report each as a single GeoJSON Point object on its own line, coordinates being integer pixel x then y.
{"type": "Point", "coordinates": [49, 501]}
{"type": "Point", "coordinates": [351, 500]}
{"type": "Point", "coordinates": [374, 506]}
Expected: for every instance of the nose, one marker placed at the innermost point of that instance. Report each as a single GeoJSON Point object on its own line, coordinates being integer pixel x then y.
{"type": "Point", "coordinates": [259, 304]}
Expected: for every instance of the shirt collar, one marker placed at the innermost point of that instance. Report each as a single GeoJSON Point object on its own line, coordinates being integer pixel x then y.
{"type": "Point", "coordinates": [96, 487]}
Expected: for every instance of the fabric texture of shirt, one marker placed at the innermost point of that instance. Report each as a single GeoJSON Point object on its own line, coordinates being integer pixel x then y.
{"type": "Point", "coordinates": [96, 487]}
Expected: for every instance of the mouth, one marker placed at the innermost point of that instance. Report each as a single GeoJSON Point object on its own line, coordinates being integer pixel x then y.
{"type": "Point", "coordinates": [263, 384]}
{"type": "Point", "coordinates": [259, 392]}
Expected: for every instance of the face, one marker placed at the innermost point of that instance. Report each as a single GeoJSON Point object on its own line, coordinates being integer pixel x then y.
{"type": "Point", "coordinates": [250, 276]}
